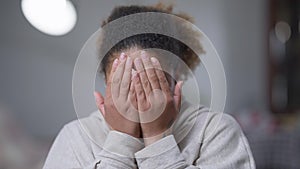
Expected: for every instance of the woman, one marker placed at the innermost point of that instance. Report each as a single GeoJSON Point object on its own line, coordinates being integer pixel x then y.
{"type": "Point", "coordinates": [142, 117]}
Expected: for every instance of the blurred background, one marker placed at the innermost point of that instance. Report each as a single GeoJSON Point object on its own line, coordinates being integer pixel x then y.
{"type": "Point", "coordinates": [258, 42]}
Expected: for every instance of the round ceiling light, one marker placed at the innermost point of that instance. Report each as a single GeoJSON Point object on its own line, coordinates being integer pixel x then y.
{"type": "Point", "coordinates": [53, 17]}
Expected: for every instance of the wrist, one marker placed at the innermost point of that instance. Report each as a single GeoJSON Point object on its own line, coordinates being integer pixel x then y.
{"type": "Point", "coordinates": [133, 131]}
{"type": "Point", "coordinates": [153, 139]}
{"type": "Point", "coordinates": [126, 144]}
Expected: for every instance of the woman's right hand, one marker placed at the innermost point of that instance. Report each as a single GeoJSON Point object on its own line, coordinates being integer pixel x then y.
{"type": "Point", "coordinates": [158, 106]}
{"type": "Point", "coordinates": [119, 107]}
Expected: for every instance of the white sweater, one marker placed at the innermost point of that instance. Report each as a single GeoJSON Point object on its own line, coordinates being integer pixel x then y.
{"type": "Point", "coordinates": [201, 139]}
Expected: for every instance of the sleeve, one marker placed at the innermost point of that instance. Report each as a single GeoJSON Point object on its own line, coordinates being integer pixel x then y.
{"type": "Point", "coordinates": [117, 152]}
{"type": "Point", "coordinates": [61, 154]}
{"type": "Point", "coordinates": [224, 147]}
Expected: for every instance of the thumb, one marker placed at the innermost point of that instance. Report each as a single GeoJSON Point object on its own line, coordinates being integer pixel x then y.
{"type": "Point", "coordinates": [177, 94]}
{"type": "Point", "coordinates": [99, 102]}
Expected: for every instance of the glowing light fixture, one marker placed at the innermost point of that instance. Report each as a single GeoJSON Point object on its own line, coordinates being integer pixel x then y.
{"type": "Point", "coordinates": [53, 17]}
{"type": "Point", "coordinates": [283, 31]}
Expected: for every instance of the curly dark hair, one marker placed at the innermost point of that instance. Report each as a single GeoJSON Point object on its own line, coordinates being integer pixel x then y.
{"type": "Point", "coordinates": [152, 40]}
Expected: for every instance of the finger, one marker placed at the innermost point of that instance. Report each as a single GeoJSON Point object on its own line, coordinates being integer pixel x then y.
{"type": "Point", "coordinates": [99, 102]}
{"type": "Point", "coordinates": [150, 71]}
{"type": "Point", "coordinates": [143, 77]}
{"type": "Point", "coordinates": [164, 85]}
{"type": "Point", "coordinates": [133, 73]}
{"type": "Point", "coordinates": [112, 71]}
{"type": "Point", "coordinates": [177, 94]}
{"type": "Point", "coordinates": [117, 76]}
{"type": "Point", "coordinates": [139, 92]}
{"type": "Point", "coordinates": [126, 79]}
{"type": "Point", "coordinates": [132, 94]}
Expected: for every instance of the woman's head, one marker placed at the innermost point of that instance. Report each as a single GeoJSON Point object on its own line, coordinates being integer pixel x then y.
{"type": "Point", "coordinates": [138, 42]}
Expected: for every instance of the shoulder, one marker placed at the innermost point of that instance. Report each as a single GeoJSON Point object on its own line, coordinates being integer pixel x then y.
{"type": "Point", "coordinates": [218, 124]}
{"type": "Point", "coordinates": [199, 122]}
{"type": "Point", "coordinates": [92, 128]}
{"type": "Point", "coordinates": [82, 137]}
{"type": "Point", "coordinates": [73, 146]}
{"type": "Point", "coordinates": [222, 136]}
{"type": "Point", "coordinates": [220, 121]}
{"type": "Point", "coordinates": [84, 132]}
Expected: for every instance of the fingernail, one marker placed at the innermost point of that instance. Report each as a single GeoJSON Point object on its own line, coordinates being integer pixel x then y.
{"type": "Point", "coordinates": [153, 60]}
{"type": "Point", "coordinates": [122, 57]}
{"type": "Point", "coordinates": [115, 62]}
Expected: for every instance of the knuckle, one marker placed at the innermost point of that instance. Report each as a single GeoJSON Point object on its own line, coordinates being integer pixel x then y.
{"type": "Point", "coordinates": [152, 76]}
{"type": "Point", "coordinates": [160, 77]}
{"type": "Point", "coordinates": [163, 80]}
{"type": "Point", "coordinates": [145, 83]}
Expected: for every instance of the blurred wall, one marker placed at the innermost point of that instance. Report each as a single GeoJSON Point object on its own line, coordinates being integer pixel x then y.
{"type": "Point", "coordinates": [36, 69]}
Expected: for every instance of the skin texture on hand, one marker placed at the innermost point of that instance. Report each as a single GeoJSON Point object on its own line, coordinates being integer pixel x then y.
{"type": "Point", "coordinates": [152, 78]}
{"type": "Point", "coordinates": [119, 106]}
{"type": "Point", "coordinates": [140, 104]}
